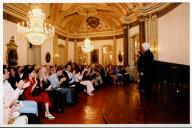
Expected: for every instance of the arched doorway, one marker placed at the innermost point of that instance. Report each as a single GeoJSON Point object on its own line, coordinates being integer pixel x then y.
{"type": "Point", "coordinates": [107, 54]}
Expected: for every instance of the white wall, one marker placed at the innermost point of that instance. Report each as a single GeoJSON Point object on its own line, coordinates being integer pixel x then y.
{"type": "Point", "coordinates": [30, 56]}
{"type": "Point", "coordinates": [173, 36]}
{"type": "Point", "coordinates": [34, 55]}
{"type": "Point", "coordinates": [10, 29]}
{"type": "Point", "coordinates": [47, 47]}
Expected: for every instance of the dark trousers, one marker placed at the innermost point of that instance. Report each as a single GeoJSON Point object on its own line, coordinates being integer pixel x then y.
{"type": "Point", "coordinates": [77, 89]}
{"type": "Point", "coordinates": [141, 84]}
{"type": "Point", "coordinates": [57, 99]}
{"type": "Point", "coordinates": [147, 83]}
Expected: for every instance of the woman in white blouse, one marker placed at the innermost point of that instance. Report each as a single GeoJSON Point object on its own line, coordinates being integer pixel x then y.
{"type": "Point", "coordinates": [78, 78]}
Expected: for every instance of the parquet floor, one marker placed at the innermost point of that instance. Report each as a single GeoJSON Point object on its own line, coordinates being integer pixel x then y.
{"type": "Point", "coordinates": [114, 104]}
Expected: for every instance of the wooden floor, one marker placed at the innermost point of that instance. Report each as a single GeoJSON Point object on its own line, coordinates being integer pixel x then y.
{"type": "Point", "coordinates": [125, 105]}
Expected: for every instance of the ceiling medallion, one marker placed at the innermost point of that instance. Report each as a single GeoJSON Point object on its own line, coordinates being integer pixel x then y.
{"type": "Point", "coordinates": [93, 22]}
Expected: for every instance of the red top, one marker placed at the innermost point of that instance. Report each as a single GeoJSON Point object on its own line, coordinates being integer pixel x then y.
{"type": "Point", "coordinates": [41, 98]}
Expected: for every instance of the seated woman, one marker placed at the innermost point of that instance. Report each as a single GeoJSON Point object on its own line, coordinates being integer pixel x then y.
{"type": "Point", "coordinates": [78, 79]}
{"type": "Point", "coordinates": [29, 77]}
{"type": "Point", "coordinates": [118, 72]}
{"type": "Point", "coordinates": [96, 77]}
{"type": "Point", "coordinates": [112, 74]}
{"type": "Point", "coordinates": [54, 94]}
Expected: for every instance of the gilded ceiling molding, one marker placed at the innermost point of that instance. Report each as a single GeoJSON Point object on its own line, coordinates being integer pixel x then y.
{"type": "Point", "coordinates": [147, 11]}
{"type": "Point", "coordinates": [68, 22]}
{"type": "Point", "coordinates": [65, 24]}
{"type": "Point", "coordinates": [113, 18]}
{"type": "Point", "coordinates": [56, 8]}
{"type": "Point", "coordinates": [108, 21]}
{"type": "Point", "coordinates": [120, 8]}
{"type": "Point", "coordinates": [14, 10]}
{"type": "Point", "coordinates": [80, 23]}
{"type": "Point", "coordinates": [95, 34]}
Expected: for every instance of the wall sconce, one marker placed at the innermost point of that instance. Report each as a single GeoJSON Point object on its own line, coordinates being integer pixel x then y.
{"type": "Point", "coordinates": [56, 55]}
{"type": "Point", "coordinates": [153, 49]}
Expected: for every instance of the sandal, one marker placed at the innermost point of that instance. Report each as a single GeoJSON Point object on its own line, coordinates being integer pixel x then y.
{"type": "Point", "coordinates": [90, 94]}
{"type": "Point", "coordinates": [49, 116]}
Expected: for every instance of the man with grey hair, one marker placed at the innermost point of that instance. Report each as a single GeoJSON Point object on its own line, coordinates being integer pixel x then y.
{"type": "Point", "coordinates": [147, 69]}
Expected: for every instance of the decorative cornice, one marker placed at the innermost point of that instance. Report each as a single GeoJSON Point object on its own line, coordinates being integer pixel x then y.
{"type": "Point", "coordinates": [153, 9]}
{"type": "Point", "coordinates": [95, 38]}
{"type": "Point", "coordinates": [16, 11]}
{"type": "Point", "coordinates": [92, 34]}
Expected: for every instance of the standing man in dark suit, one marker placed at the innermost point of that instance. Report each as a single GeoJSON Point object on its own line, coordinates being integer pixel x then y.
{"type": "Point", "coordinates": [140, 70]}
{"type": "Point", "coordinates": [147, 73]}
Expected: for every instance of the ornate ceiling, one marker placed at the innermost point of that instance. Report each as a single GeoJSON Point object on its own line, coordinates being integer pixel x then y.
{"type": "Point", "coordinates": [105, 19]}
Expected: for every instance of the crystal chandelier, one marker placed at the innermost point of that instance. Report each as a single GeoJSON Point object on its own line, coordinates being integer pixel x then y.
{"type": "Point", "coordinates": [36, 30]}
{"type": "Point", "coordinates": [87, 47]}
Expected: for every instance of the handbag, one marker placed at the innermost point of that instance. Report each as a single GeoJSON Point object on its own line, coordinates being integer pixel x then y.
{"type": "Point", "coordinates": [19, 120]}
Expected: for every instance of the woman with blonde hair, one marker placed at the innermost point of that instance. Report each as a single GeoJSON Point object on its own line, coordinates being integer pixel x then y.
{"type": "Point", "coordinates": [55, 95]}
